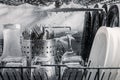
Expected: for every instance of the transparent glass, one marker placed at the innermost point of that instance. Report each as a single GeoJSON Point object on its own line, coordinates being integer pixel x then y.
{"type": "Point", "coordinates": [12, 47]}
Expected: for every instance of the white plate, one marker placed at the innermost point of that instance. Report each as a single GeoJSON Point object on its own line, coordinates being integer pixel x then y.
{"type": "Point", "coordinates": [112, 59]}
{"type": "Point", "coordinates": [104, 49]}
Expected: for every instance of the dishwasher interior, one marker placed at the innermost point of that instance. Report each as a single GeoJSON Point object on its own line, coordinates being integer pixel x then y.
{"type": "Point", "coordinates": [55, 52]}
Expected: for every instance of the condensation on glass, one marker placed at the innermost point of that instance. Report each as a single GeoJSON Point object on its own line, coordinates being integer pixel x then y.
{"type": "Point", "coordinates": [12, 47]}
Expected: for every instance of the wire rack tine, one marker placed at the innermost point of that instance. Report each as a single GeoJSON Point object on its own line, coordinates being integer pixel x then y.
{"type": "Point", "coordinates": [69, 75]}
{"type": "Point", "coordinates": [40, 76]}
{"type": "Point", "coordinates": [109, 76]}
{"type": "Point", "coordinates": [102, 75]}
{"type": "Point", "coordinates": [27, 75]}
{"type": "Point", "coordinates": [89, 75]}
{"type": "Point", "coordinates": [8, 75]}
{"type": "Point", "coordinates": [1, 76]}
{"type": "Point", "coordinates": [83, 74]}
{"type": "Point", "coordinates": [14, 76]}
{"type": "Point", "coordinates": [89, 63]}
{"type": "Point", "coordinates": [95, 76]}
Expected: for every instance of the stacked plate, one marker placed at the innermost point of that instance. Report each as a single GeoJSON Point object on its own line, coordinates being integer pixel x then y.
{"type": "Point", "coordinates": [105, 52]}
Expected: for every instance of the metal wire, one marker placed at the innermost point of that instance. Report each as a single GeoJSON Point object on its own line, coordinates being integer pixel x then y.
{"type": "Point", "coordinates": [97, 75]}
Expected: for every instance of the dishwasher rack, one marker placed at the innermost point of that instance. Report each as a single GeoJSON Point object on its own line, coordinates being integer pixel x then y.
{"type": "Point", "coordinates": [70, 73]}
